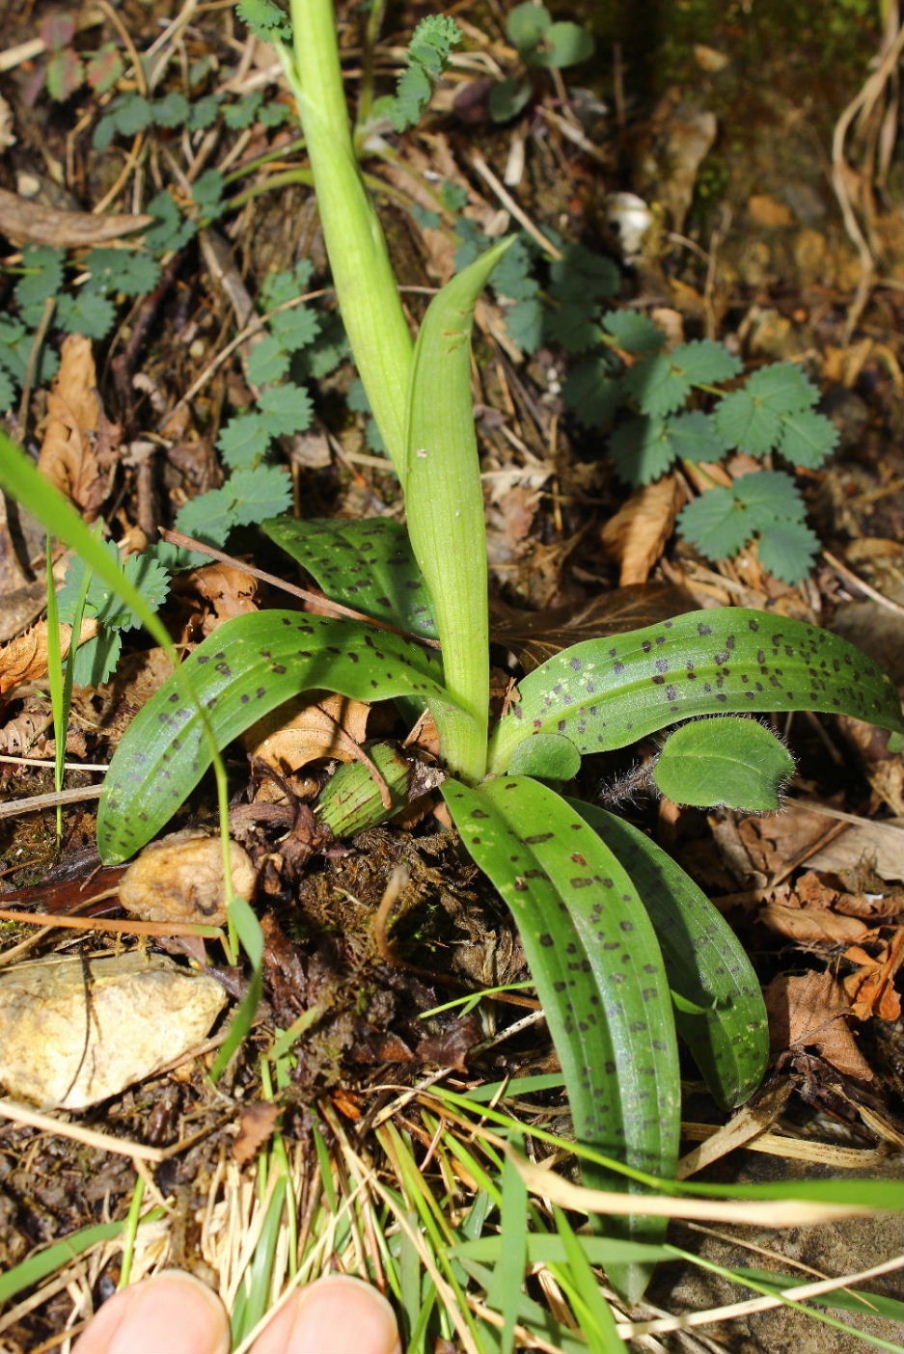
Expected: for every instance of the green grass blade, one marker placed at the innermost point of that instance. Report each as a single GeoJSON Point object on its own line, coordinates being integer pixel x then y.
{"type": "Point", "coordinates": [598, 1323]}
{"type": "Point", "coordinates": [253, 1297]}
{"type": "Point", "coordinates": [878, 1194]}
{"type": "Point", "coordinates": [45, 1262]}
{"type": "Point", "coordinates": [20, 478]}
{"type": "Point", "coordinates": [239, 673]}
{"type": "Point", "coordinates": [131, 1230]}
{"type": "Point", "coordinates": [508, 1278]}
{"type": "Point", "coordinates": [606, 693]}
{"type": "Point", "coordinates": [534, 1316]}
{"type": "Point", "coordinates": [368, 565]}
{"type": "Point", "coordinates": [444, 503]}
{"type": "Point", "coordinates": [857, 1300]}
{"type": "Point", "coordinates": [56, 680]}
{"type": "Point", "coordinates": [815, 1313]}
{"type": "Point", "coordinates": [243, 919]}
{"type": "Point", "coordinates": [545, 1249]}
{"type": "Point", "coordinates": [598, 969]}
{"type": "Point", "coordinates": [704, 960]}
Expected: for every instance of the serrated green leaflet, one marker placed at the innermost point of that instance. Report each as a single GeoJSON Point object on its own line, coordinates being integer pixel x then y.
{"type": "Point", "coordinates": [705, 962]}
{"type": "Point", "coordinates": [598, 969]}
{"type": "Point", "coordinates": [731, 761]}
{"type": "Point", "coordinates": [609, 692]}
{"type": "Point", "coordinates": [241, 672]}
{"type": "Point", "coordinates": [367, 565]}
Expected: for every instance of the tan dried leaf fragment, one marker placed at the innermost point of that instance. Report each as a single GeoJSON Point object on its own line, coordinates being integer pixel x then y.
{"type": "Point", "coordinates": [322, 726]}
{"type": "Point", "coordinates": [872, 986]}
{"type": "Point", "coordinates": [636, 536]}
{"type": "Point", "coordinates": [28, 222]}
{"type": "Point", "coordinates": [256, 1126]}
{"type": "Point", "coordinates": [25, 659]}
{"type": "Point", "coordinates": [811, 925]}
{"type": "Point", "coordinates": [224, 590]}
{"type": "Point", "coordinates": [810, 1010]}
{"type": "Point", "coordinates": [79, 443]}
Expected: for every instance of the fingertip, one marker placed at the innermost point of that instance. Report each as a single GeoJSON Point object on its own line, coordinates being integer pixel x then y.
{"type": "Point", "coordinates": [173, 1312]}
{"type": "Point", "coordinates": [336, 1315]}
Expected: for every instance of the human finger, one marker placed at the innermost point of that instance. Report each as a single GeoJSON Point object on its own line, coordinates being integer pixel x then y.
{"type": "Point", "coordinates": [171, 1313]}
{"type": "Point", "coordinates": [335, 1315]}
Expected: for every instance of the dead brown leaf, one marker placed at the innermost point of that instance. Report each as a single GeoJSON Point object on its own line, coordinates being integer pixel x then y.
{"type": "Point", "coordinates": [871, 987]}
{"type": "Point", "coordinates": [776, 840]}
{"type": "Point", "coordinates": [322, 726]}
{"type": "Point", "coordinates": [225, 590]}
{"type": "Point", "coordinates": [810, 1010]}
{"type": "Point", "coordinates": [536, 635]}
{"type": "Point", "coordinates": [79, 442]}
{"type": "Point", "coordinates": [637, 534]}
{"type": "Point", "coordinates": [878, 847]}
{"type": "Point", "coordinates": [811, 925]}
{"type": "Point", "coordinates": [25, 659]}
{"type": "Point", "coordinates": [256, 1126]}
{"type": "Point", "coordinates": [35, 223]}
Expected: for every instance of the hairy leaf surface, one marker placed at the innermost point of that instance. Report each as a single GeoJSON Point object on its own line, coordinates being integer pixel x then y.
{"type": "Point", "coordinates": [598, 969]}
{"type": "Point", "coordinates": [609, 692]}
{"type": "Point", "coordinates": [241, 672]}
{"type": "Point", "coordinates": [730, 760]}
{"type": "Point", "coordinates": [704, 960]}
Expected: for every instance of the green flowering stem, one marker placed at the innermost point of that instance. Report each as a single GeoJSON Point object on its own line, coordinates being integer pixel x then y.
{"type": "Point", "coordinates": [359, 259]}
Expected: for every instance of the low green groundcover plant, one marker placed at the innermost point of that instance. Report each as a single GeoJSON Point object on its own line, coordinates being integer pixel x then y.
{"type": "Point", "coordinates": [626, 952]}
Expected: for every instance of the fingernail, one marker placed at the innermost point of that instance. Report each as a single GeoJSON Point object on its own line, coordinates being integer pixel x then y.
{"type": "Point", "coordinates": [335, 1315]}
{"type": "Point", "coordinates": [171, 1312]}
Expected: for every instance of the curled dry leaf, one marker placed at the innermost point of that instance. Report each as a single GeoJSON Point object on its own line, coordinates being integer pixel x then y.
{"type": "Point", "coordinates": [810, 1010]}
{"type": "Point", "coordinates": [73, 1031]}
{"type": "Point", "coordinates": [180, 879]}
{"type": "Point", "coordinates": [327, 726]}
{"type": "Point", "coordinates": [228, 592]}
{"type": "Point", "coordinates": [636, 536]}
{"type": "Point", "coordinates": [25, 659]}
{"type": "Point", "coordinates": [34, 223]}
{"type": "Point", "coordinates": [79, 442]}
{"type": "Point", "coordinates": [256, 1126]}
{"type": "Point", "coordinates": [871, 987]}
{"type": "Point", "coordinates": [811, 924]}
{"type": "Point", "coordinates": [875, 846]}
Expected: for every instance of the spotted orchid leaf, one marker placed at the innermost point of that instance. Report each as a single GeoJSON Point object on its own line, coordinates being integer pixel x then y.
{"type": "Point", "coordinates": [368, 565]}
{"type": "Point", "coordinates": [599, 972]}
{"type": "Point", "coordinates": [606, 693]}
{"type": "Point", "coordinates": [706, 964]}
{"type": "Point", "coordinates": [238, 674]}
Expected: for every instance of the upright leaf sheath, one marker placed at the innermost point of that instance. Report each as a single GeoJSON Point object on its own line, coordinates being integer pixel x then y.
{"type": "Point", "coordinates": [444, 502]}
